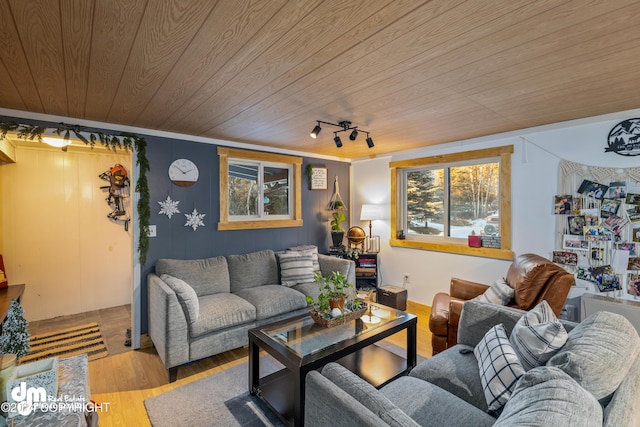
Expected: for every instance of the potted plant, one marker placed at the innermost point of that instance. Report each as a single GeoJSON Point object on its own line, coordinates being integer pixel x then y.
{"type": "Point", "coordinates": [334, 291]}
{"type": "Point", "coordinates": [337, 232]}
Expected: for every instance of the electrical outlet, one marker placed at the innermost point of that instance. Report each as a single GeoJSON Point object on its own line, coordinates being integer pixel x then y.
{"type": "Point", "coordinates": [152, 231]}
{"type": "Point", "coordinates": [407, 279]}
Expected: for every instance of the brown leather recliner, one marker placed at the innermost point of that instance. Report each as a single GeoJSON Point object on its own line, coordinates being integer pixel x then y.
{"type": "Point", "coordinates": [533, 279]}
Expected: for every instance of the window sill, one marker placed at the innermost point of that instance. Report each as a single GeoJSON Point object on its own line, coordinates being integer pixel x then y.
{"type": "Point", "coordinates": [454, 248]}
{"type": "Point", "coordinates": [248, 225]}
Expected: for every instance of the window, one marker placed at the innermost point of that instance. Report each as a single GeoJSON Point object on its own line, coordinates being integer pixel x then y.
{"type": "Point", "coordinates": [259, 190]}
{"type": "Point", "coordinates": [439, 201]}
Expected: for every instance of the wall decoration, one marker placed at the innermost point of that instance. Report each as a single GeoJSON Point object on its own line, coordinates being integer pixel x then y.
{"type": "Point", "coordinates": [624, 138]}
{"type": "Point", "coordinates": [317, 178]}
{"type": "Point", "coordinates": [122, 140]}
{"type": "Point", "coordinates": [118, 189]}
{"type": "Point", "coordinates": [183, 172]}
{"type": "Point", "coordinates": [169, 207]}
{"type": "Point", "coordinates": [194, 219]}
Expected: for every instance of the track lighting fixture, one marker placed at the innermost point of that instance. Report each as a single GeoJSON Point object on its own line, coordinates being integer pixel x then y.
{"type": "Point", "coordinates": [337, 140]}
{"type": "Point", "coordinates": [346, 126]}
{"type": "Point", "coordinates": [316, 130]}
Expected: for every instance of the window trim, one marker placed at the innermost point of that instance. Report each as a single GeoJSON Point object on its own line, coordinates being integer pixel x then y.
{"type": "Point", "coordinates": [504, 153]}
{"type": "Point", "coordinates": [224, 155]}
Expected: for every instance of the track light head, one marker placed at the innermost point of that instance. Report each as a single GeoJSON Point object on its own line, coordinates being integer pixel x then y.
{"type": "Point", "coordinates": [338, 141]}
{"type": "Point", "coordinates": [354, 135]}
{"type": "Point", "coordinates": [369, 142]}
{"type": "Point", "coordinates": [316, 130]}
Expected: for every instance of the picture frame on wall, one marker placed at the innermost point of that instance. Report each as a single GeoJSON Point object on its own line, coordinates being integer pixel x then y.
{"type": "Point", "coordinates": [318, 178]}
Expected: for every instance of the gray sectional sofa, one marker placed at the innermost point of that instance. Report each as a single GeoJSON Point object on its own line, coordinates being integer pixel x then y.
{"type": "Point", "coordinates": [592, 380]}
{"type": "Point", "coordinates": [199, 308]}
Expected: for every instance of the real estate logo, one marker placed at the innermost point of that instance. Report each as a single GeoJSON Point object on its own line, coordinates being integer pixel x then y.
{"type": "Point", "coordinates": [27, 399]}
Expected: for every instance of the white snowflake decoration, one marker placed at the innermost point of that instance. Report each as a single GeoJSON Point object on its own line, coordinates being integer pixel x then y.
{"type": "Point", "coordinates": [169, 207]}
{"type": "Point", "coordinates": [194, 219]}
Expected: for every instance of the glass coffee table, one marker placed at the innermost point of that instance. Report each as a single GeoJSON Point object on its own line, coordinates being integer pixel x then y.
{"type": "Point", "coordinates": [302, 346]}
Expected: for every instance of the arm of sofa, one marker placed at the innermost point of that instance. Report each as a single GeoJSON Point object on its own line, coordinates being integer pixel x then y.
{"type": "Point", "coordinates": [329, 264]}
{"type": "Point", "coordinates": [327, 404]}
{"type": "Point", "coordinates": [466, 289]}
{"type": "Point", "coordinates": [168, 326]}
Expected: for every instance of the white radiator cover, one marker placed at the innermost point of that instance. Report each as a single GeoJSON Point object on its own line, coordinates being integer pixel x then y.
{"type": "Point", "coordinates": [630, 309]}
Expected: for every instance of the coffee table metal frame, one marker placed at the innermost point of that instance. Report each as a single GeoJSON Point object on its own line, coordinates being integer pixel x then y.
{"type": "Point", "coordinates": [284, 391]}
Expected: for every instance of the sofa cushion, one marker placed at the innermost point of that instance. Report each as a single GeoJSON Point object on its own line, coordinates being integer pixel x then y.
{"type": "Point", "coordinates": [252, 269]}
{"type": "Point", "coordinates": [272, 300]}
{"type": "Point", "coordinates": [456, 371]}
{"type": "Point", "coordinates": [311, 289]}
{"type": "Point", "coordinates": [499, 367]}
{"type": "Point", "coordinates": [429, 405]}
{"type": "Point", "coordinates": [186, 296]}
{"type": "Point", "coordinates": [295, 268]}
{"type": "Point", "coordinates": [537, 336]}
{"type": "Point", "coordinates": [206, 276]}
{"type": "Point", "coordinates": [499, 293]}
{"type": "Point", "coordinates": [220, 311]}
{"type": "Point", "coordinates": [546, 396]}
{"type": "Point", "coordinates": [309, 250]}
{"type": "Point", "coordinates": [598, 353]}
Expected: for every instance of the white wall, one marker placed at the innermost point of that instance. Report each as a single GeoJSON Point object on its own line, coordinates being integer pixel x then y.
{"type": "Point", "coordinates": [56, 236]}
{"type": "Point", "coordinates": [534, 183]}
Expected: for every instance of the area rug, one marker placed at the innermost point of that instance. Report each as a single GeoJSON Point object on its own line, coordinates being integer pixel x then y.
{"type": "Point", "coordinates": [221, 399]}
{"type": "Point", "coordinates": [67, 342]}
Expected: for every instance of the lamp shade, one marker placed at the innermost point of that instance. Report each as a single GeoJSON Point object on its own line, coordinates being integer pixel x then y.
{"type": "Point", "coordinates": [370, 212]}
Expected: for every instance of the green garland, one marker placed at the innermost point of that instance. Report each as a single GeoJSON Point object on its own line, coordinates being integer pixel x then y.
{"type": "Point", "coordinates": [123, 140]}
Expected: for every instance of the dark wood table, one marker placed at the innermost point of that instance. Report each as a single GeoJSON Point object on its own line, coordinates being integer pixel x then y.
{"type": "Point", "coordinates": [6, 296]}
{"type": "Point", "coordinates": [302, 346]}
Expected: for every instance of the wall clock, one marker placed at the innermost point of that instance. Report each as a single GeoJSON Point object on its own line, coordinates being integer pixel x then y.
{"type": "Point", "coordinates": [183, 172]}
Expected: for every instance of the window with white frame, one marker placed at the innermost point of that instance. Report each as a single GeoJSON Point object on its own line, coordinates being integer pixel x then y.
{"type": "Point", "coordinates": [440, 201]}
{"type": "Point", "coordinates": [258, 190]}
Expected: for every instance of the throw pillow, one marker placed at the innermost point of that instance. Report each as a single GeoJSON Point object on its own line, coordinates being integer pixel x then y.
{"type": "Point", "coordinates": [499, 293]}
{"type": "Point", "coordinates": [310, 250]}
{"type": "Point", "coordinates": [597, 353]}
{"type": "Point", "coordinates": [499, 368]}
{"type": "Point", "coordinates": [295, 268]}
{"type": "Point", "coordinates": [537, 336]}
{"type": "Point", "coordinates": [546, 396]}
{"type": "Point", "coordinates": [186, 296]}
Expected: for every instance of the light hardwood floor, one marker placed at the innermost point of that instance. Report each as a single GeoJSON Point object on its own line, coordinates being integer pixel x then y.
{"type": "Point", "coordinates": [122, 382]}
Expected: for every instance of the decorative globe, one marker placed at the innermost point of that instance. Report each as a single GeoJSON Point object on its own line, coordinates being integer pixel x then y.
{"type": "Point", "coordinates": [356, 235]}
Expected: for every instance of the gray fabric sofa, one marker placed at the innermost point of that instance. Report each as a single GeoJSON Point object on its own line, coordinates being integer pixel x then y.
{"type": "Point", "coordinates": [593, 380]}
{"type": "Point", "coordinates": [199, 308]}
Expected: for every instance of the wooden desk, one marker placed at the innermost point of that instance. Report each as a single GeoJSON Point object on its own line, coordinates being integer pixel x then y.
{"type": "Point", "coordinates": [6, 295]}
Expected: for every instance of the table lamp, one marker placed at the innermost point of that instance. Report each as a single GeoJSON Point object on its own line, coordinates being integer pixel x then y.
{"type": "Point", "coordinates": [369, 213]}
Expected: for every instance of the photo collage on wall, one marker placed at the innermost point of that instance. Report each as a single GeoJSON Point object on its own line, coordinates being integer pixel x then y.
{"type": "Point", "coordinates": [601, 233]}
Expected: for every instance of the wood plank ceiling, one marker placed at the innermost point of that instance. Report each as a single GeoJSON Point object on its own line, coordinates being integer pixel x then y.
{"type": "Point", "coordinates": [412, 72]}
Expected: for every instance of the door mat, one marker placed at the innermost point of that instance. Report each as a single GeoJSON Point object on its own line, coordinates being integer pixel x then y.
{"type": "Point", "coordinates": [68, 342]}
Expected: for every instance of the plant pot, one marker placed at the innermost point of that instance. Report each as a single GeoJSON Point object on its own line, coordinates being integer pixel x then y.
{"type": "Point", "coordinates": [337, 237]}
{"type": "Point", "coordinates": [337, 302]}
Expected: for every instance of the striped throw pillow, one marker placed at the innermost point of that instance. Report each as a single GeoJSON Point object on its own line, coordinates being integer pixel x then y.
{"type": "Point", "coordinates": [295, 268]}
{"type": "Point", "coordinates": [499, 368]}
{"type": "Point", "coordinates": [537, 336]}
{"type": "Point", "coordinates": [499, 293]}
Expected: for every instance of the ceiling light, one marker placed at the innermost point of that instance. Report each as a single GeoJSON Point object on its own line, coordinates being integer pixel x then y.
{"type": "Point", "coordinates": [338, 141]}
{"type": "Point", "coordinates": [344, 126]}
{"type": "Point", "coordinates": [56, 142]}
{"type": "Point", "coordinates": [316, 130]}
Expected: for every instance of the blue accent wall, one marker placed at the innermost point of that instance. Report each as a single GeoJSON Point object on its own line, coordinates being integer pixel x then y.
{"type": "Point", "coordinates": [174, 240]}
